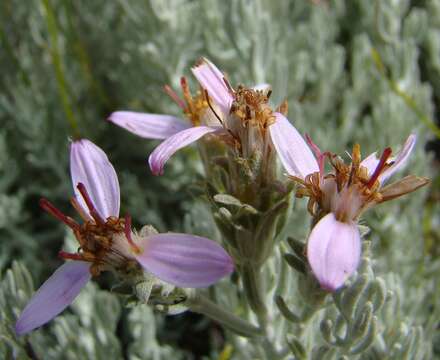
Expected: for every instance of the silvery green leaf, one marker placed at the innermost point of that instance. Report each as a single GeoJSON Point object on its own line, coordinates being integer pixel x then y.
{"type": "Point", "coordinates": [230, 200]}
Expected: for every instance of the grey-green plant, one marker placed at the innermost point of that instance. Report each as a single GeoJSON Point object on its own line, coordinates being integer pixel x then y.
{"type": "Point", "coordinates": [352, 71]}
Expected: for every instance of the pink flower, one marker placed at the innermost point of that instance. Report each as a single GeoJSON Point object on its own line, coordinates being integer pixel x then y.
{"type": "Point", "coordinates": [339, 198]}
{"type": "Point", "coordinates": [241, 117]}
{"type": "Point", "coordinates": [107, 242]}
{"type": "Point", "coordinates": [178, 133]}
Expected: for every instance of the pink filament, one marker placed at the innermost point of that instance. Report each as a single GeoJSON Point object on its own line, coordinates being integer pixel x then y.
{"type": "Point", "coordinates": [46, 205]}
{"type": "Point", "coordinates": [65, 255]}
{"type": "Point", "coordinates": [93, 212]}
{"type": "Point", "coordinates": [320, 156]}
{"type": "Point", "coordinates": [127, 231]}
{"type": "Point", "coordinates": [172, 94]}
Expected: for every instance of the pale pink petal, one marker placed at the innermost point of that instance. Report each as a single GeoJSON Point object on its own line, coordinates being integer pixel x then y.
{"type": "Point", "coordinates": [149, 126]}
{"type": "Point", "coordinates": [370, 162]}
{"type": "Point", "coordinates": [212, 80]}
{"type": "Point", "coordinates": [295, 155]}
{"type": "Point", "coordinates": [333, 251]}
{"type": "Point", "coordinates": [90, 165]}
{"type": "Point", "coordinates": [400, 159]}
{"type": "Point", "coordinates": [53, 296]}
{"type": "Point", "coordinates": [168, 147]}
{"type": "Point", "coordinates": [185, 260]}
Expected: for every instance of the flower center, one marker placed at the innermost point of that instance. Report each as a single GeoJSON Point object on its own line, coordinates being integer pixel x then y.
{"type": "Point", "coordinates": [107, 244]}
{"type": "Point", "coordinates": [347, 190]}
{"type": "Point", "coordinates": [252, 107]}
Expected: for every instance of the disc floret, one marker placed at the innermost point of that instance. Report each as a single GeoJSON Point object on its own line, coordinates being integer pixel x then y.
{"type": "Point", "coordinates": [108, 244]}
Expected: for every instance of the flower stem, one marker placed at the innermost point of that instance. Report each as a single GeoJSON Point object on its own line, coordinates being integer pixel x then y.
{"type": "Point", "coordinates": [202, 305]}
{"type": "Point", "coordinates": [252, 288]}
{"type": "Point", "coordinates": [254, 295]}
{"type": "Point", "coordinates": [407, 99]}
{"type": "Point", "coordinates": [57, 63]}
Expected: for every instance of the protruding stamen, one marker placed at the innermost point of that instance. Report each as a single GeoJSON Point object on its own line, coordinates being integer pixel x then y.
{"type": "Point", "coordinates": [51, 209]}
{"type": "Point", "coordinates": [380, 167]}
{"type": "Point", "coordinates": [186, 92]}
{"type": "Point", "coordinates": [127, 231]}
{"type": "Point", "coordinates": [356, 155]}
{"type": "Point", "coordinates": [185, 87]}
{"type": "Point", "coordinates": [355, 162]}
{"type": "Point", "coordinates": [65, 255]}
{"type": "Point", "coordinates": [93, 212]}
{"type": "Point", "coordinates": [297, 179]}
{"type": "Point", "coordinates": [172, 94]}
{"type": "Point", "coordinates": [320, 156]}
{"type": "Point", "coordinates": [313, 146]}
{"type": "Point", "coordinates": [187, 96]}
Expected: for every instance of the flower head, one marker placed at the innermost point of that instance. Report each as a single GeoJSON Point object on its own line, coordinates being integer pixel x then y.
{"type": "Point", "coordinates": [350, 189]}
{"type": "Point", "coordinates": [337, 200]}
{"type": "Point", "coordinates": [107, 242]}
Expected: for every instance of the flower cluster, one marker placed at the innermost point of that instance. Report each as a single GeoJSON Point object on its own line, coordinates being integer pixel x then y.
{"type": "Point", "coordinates": [243, 119]}
{"type": "Point", "coordinates": [108, 243]}
{"type": "Point", "coordinates": [251, 132]}
{"type": "Point", "coordinates": [253, 202]}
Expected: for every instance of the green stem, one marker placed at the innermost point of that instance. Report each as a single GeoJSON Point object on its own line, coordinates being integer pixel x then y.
{"type": "Point", "coordinates": [56, 61]}
{"type": "Point", "coordinates": [252, 288]}
{"type": "Point", "coordinates": [202, 305]}
{"type": "Point", "coordinates": [9, 50]}
{"type": "Point", "coordinates": [82, 55]}
{"type": "Point", "coordinates": [407, 99]}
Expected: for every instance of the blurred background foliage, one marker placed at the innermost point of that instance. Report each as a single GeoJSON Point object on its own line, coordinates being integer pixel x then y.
{"type": "Point", "coordinates": [352, 71]}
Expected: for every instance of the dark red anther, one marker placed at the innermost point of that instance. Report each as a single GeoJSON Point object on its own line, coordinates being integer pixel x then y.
{"type": "Point", "coordinates": [69, 256]}
{"type": "Point", "coordinates": [380, 167]}
{"type": "Point", "coordinates": [47, 206]}
{"type": "Point", "coordinates": [127, 231]}
{"type": "Point", "coordinates": [93, 212]}
{"type": "Point", "coordinates": [172, 94]}
{"type": "Point", "coordinates": [184, 83]}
